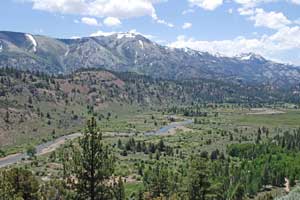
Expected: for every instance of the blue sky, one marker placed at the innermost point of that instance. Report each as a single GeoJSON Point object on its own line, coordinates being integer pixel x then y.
{"type": "Point", "coordinates": [229, 27]}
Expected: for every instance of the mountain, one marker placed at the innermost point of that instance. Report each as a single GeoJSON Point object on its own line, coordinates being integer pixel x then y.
{"type": "Point", "coordinates": [135, 53]}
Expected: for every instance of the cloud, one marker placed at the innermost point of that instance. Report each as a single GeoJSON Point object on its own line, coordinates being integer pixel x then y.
{"type": "Point", "coordinates": [98, 8]}
{"type": "Point", "coordinates": [272, 20]}
{"type": "Point", "coordinates": [187, 25]}
{"type": "Point", "coordinates": [160, 21]}
{"type": "Point", "coordinates": [297, 21]}
{"type": "Point", "coordinates": [89, 21]}
{"type": "Point", "coordinates": [188, 11]}
{"type": "Point", "coordinates": [206, 4]}
{"type": "Point", "coordinates": [120, 9]}
{"type": "Point", "coordinates": [296, 2]}
{"type": "Point", "coordinates": [252, 3]}
{"type": "Point", "coordinates": [261, 18]}
{"type": "Point", "coordinates": [283, 45]}
{"type": "Point", "coordinates": [112, 21]}
{"type": "Point", "coordinates": [286, 38]}
{"type": "Point", "coordinates": [134, 31]}
{"type": "Point", "coordinates": [226, 47]}
{"type": "Point", "coordinates": [246, 11]}
{"type": "Point", "coordinates": [255, 3]}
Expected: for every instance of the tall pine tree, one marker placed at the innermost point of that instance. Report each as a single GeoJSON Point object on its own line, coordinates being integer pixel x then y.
{"type": "Point", "coordinates": [198, 185]}
{"type": "Point", "coordinates": [92, 166]}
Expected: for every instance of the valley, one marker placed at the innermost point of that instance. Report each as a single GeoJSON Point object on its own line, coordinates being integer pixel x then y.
{"type": "Point", "coordinates": [193, 124]}
{"type": "Point", "coordinates": [148, 127]}
{"type": "Point", "coordinates": [207, 134]}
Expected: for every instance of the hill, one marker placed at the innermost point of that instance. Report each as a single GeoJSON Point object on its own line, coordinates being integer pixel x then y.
{"type": "Point", "coordinates": [37, 104]}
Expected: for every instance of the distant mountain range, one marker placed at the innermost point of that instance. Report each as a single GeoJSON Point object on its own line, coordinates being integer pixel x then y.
{"type": "Point", "coordinates": [135, 53]}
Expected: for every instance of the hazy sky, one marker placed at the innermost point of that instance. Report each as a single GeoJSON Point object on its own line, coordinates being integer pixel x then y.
{"type": "Point", "coordinates": [230, 27]}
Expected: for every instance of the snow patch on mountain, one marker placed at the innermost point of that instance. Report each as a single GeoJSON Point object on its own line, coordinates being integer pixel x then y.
{"type": "Point", "coordinates": [32, 40]}
{"type": "Point", "coordinates": [126, 35]}
{"type": "Point", "coordinates": [168, 48]}
{"type": "Point", "coordinates": [189, 51]}
{"type": "Point", "coordinates": [67, 52]}
{"type": "Point", "coordinates": [218, 55]}
{"type": "Point", "coordinates": [245, 57]}
{"type": "Point", "coordinates": [141, 44]}
{"type": "Point", "coordinates": [1, 47]}
{"type": "Point", "coordinates": [250, 56]}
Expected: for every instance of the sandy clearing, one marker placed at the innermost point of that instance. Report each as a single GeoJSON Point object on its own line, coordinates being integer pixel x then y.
{"type": "Point", "coordinates": [174, 130]}
{"type": "Point", "coordinates": [264, 111]}
{"type": "Point", "coordinates": [287, 185]}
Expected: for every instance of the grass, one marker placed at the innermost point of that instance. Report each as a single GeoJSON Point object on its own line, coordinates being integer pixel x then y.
{"type": "Point", "coordinates": [213, 133]}
{"type": "Point", "coordinates": [132, 189]}
{"type": "Point", "coordinates": [289, 119]}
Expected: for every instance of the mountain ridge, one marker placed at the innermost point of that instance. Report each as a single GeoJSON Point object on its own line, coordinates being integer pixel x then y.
{"type": "Point", "coordinates": [136, 53]}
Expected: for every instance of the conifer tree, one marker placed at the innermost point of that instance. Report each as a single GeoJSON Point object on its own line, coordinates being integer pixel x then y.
{"type": "Point", "coordinates": [18, 183]}
{"type": "Point", "coordinates": [93, 165]}
{"type": "Point", "coordinates": [198, 185]}
{"type": "Point", "coordinates": [6, 118]}
{"type": "Point", "coordinates": [119, 190]}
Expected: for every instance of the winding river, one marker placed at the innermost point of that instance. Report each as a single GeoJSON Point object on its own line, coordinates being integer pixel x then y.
{"type": "Point", "coordinates": [52, 145]}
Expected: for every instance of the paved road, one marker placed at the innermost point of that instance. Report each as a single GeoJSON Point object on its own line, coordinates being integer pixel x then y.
{"type": "Point", "coordinates": [40, 149]}
{"type": "Point", "coordinates": [52, 145]}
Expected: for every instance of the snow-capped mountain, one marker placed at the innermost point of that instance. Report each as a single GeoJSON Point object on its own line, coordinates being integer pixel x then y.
{"type": "Point", "coordinates": [134, 52]}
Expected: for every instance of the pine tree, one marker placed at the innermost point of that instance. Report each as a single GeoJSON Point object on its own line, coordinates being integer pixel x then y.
{"type": "Point", "coordinates": [6, 118]}
{"type": "Point", "coordinates": [239, 193]}
{"type": "Point", "coordinates": [265, 175]}
{"type": "Point", "coordinates": [161, 145]}
{"type": "Point", "coordinates": [18, 184]}
{"type": "Point", "coordinates": [198, 185]}
{"type": "Point", "coordinates": [30, 100]}
{"type": "Point", "coordinates": [258, 139]}
{"type": "Point", "coordinates": [6, 188]}
{"type": "Point", "coordinates": [157, 154]}
{"type": "Point", "coordinates": [93, 165]}
{"type": "Point", "coordinates": [119, 190]}
{"type": "Point", "coordinates": [120, 145]}
{"type": "Point", "coordinates": [140, 195]}
{"type": "Point", "coordinates": [156, 181]}
{"type": "Point", "coordinates": [138, 146]}
{"type": "Point", "coordinates": [31, 151]}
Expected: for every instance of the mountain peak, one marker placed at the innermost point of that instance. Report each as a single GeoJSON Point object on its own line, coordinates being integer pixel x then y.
{"type": "Point", "coordinates": [118, 35]}
{"type": "Point", "coordinates": [250, 57]}
{"type": "Point", "coordinates": [126, 35]}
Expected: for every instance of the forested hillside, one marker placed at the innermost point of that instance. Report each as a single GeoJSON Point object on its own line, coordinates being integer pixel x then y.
{"type": "Point", "coordinates": [49, 103]}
